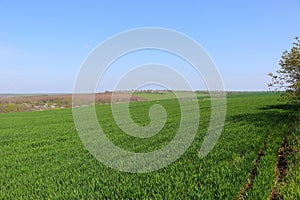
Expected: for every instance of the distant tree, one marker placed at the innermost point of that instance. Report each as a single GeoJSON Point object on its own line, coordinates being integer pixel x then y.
{"type": "Point", "coordinates": [288, 76]}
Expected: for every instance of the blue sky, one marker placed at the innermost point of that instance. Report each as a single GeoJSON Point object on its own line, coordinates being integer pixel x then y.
{"type": "Point", "coordinates": [43, 43]}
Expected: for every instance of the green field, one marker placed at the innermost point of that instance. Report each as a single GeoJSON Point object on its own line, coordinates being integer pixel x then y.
{"type": "Point", "coordinates": [42, 157]}
{"type": "Point", "coordinates": [161, 95]}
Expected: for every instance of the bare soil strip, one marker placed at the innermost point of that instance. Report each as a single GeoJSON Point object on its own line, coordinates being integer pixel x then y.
{"type": "Point", "coordinates": [280, 169]}
{"type": "Point", "coordinates": [252, 175]}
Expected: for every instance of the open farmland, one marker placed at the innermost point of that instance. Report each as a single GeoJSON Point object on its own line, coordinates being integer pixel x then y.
{"type": "Point", "coordinates": [42, 157]}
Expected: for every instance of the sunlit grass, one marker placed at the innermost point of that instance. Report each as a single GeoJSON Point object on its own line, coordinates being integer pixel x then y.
{"type": "Point", "coordinates": [41, 155]}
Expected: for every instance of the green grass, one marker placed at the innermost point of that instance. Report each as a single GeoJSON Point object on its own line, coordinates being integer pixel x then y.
{"type": "Point", "coordinates": [291, 190]}
{"type": "Point", "coordinates": [42, 157]}
{"type": "Point", "coordinates": [155, 96]}
{"type": "Point", "coordinates": [164, 95]}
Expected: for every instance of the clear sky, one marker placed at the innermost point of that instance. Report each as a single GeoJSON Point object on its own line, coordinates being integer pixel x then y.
{"type": "Point", "coordinates": [43, 43]}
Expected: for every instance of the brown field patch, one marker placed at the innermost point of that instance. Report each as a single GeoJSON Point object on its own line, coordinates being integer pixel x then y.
{"type": "Point", "coordinates": [47, 102]}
